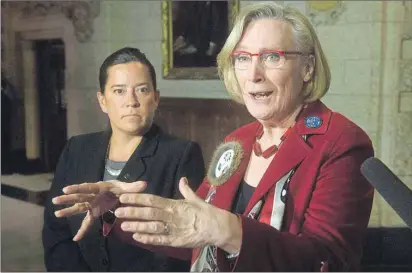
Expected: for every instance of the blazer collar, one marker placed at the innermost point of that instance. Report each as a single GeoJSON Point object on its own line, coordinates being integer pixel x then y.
{"type": "Point", "coordinates": [148, 145]}
{"type": "Point", "coordinates": [135, 166]}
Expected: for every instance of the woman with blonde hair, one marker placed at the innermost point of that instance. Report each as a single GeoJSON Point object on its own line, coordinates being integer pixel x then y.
{"type": "Point", "coordinates": [293, 198]}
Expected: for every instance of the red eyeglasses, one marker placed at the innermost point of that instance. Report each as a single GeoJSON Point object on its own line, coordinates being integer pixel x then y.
{"type": "Point", "coordinates": [270, 59]}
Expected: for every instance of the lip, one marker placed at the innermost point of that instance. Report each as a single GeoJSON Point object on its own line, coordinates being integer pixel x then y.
{"type": "Point", "coordinates": [260, 99]}
{"type": "Point", "coordinates": [131, 115]}
{"type": "Point", "coordinates": [261, 91]}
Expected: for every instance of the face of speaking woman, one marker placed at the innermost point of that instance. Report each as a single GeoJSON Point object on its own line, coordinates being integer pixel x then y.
{"type": "Point", "coordinates": [270, 83]}
{"type": "Point", "coordinates": [129, 98]}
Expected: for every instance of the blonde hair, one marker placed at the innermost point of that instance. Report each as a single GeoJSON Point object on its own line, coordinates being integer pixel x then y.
{"type": "Point", "coordinates": [305, 38]}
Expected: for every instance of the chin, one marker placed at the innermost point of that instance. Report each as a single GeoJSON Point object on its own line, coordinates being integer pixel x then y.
{"type": "Point", "coordinates": [259, 113]}
{"type": "Point", "coordinates": [262, 116]}
{"type": "Point", "coordinates": [133, 129]}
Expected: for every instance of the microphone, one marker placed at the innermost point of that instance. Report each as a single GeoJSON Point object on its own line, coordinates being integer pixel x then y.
{"type": "Point", "coordinates": [225, 161]}
{"type": "Point", "coordinates": [392, 189]}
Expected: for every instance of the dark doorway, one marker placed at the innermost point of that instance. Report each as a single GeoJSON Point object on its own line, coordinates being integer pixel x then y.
{"type": "Point", "coordinates": [50, 66]}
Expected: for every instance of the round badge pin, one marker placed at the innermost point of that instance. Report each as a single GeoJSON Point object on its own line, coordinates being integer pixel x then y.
{"type": "Point", "coordinates": [313, 122]}
{"type": "Point", "coordinates": [224, 163]}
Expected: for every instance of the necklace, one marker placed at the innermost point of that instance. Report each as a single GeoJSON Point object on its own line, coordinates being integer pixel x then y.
{"type": "Point", "coordinates": [257, 149]}
{"type": "Point", "coordinates": [110, 170]}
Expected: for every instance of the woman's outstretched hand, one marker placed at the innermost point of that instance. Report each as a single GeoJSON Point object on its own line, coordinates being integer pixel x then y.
{"type": "Point", "coordinates": [188, 223]}
{"type": "Point", "coordinates": [94, 199]}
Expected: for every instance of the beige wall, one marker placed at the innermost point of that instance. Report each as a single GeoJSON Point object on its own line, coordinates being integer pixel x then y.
{"type": "Point", "coordinates": [366, 44]}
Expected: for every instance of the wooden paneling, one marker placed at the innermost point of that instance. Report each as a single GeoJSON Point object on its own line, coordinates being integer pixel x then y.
{"type": "Point", "coordinates": [206, 121]}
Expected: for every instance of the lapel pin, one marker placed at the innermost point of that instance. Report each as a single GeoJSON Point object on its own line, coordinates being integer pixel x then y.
{"type": "Point", "coordinates": [313, 122]}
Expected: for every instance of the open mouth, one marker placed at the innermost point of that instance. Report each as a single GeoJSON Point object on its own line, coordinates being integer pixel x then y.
{"type": "Point", "coordinates": [261, 95]}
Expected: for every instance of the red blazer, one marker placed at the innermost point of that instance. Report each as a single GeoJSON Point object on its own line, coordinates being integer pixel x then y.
{"type": "Point", "coordinates": [328, 205]}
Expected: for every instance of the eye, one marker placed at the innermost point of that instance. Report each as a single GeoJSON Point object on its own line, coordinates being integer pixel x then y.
{"type": "Point", "coordinates": [118, 91]}
{"type": "Point", "coordinates": [143, 89]}
{"type": "Point", "coordinates": [272, 57]}
{"type": "Point", "coordinates": [242, 58]}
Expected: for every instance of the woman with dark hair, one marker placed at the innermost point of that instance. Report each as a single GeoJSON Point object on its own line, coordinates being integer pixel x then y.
{"type": "Point", "coordinates": [134, 148]}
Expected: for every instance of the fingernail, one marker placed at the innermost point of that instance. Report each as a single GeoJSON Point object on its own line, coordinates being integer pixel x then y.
{"type": "Point", "coordinates": [119, 212]}
{"type": "Point", "coordinates": [54, 200]}
{"type": "Point", "coordinates": [64, 190]}
{"type": "Point", "coordinates": [125, 226]}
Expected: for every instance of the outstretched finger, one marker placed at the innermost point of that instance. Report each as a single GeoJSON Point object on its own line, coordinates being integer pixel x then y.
{"type": "Point", "coordinates": [146, 200]}
{"type": "Point", "coordinates": [93, 188]}
{"type": "Point", "coordinates": [113, 186]}
{"type": "Point", "coordinates": [147, 227]}
{"type": "Point", "coordinates": [155, 239]}
{"type": "Point", "coordinates": [86, 224]}
{"type": "Point", "coordinates": [75, 209]}
{"type": "Point", "coordinates": [73, 198]}
{"type": "Point", "coordinates": [124, 187]}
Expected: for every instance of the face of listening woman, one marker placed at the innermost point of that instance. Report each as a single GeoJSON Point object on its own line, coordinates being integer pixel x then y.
{"type": "Point", "coordinates": [270, 93]}
{"type": "Point", "coordinates": [129, 98]}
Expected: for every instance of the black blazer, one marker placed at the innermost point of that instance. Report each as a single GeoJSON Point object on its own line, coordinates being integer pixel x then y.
{"type": "Point", "coordinates": [160, 159]}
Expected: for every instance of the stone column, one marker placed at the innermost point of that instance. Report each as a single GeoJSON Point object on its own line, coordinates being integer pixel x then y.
{"type": "Point", "coordinates": [31, 102]}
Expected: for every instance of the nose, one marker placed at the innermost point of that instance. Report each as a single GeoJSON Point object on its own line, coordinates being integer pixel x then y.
{"type": "Point", "coordinates": [132, 99]}
{"type": "Point", "coordinates": [256, 72]}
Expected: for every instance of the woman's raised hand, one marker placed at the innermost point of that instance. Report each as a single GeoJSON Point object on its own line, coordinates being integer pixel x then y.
{"type": "Point", "coordinates": [94, 199]}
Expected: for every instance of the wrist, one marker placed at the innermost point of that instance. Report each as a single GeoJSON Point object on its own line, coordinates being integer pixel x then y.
{"type": "Point", "coordinates": [229, 233]}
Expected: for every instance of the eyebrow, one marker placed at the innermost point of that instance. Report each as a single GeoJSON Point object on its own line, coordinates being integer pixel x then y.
{"type": "Point", "coordinates": [124, 85]}
{"type": "Point", "coordinates": [118, 85]}
{"type": "Point", "coordinates": [240, 48]}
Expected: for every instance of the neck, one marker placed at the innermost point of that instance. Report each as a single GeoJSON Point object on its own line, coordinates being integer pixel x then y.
{"type": "Point", "coordinates": [123, 145]}
{"type": "Point", "coordinates": [273, 130]}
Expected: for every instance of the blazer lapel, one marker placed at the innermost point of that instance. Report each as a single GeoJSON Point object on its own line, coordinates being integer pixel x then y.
{"type": "Point", "coordinates": [227, 192]}
{"type": "Point", "coordinates": [96, 158]}
{"type": "Point", "coordinates": [291, 153]}
{"type": "Point", "coordinates": [136, 166]}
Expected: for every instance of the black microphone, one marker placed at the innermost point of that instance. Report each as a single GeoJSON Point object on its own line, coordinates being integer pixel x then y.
{"type": "Point", "coordinates": [225, 161]}
{"type": "Point", "coordinates": [392, 189]}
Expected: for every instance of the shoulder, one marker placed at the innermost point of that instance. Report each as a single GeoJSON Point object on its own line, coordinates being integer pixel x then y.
{"type": "Point", "coordinates": [317, 119]}
{"type": "Point", "coordinates": [87, 141]}
{"type": "Point", "coordinates": [88, 137]}
{"type": "Point", "coordinates": [342, 127]}
{"type": "Point", "coordinates": [333, 132]}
